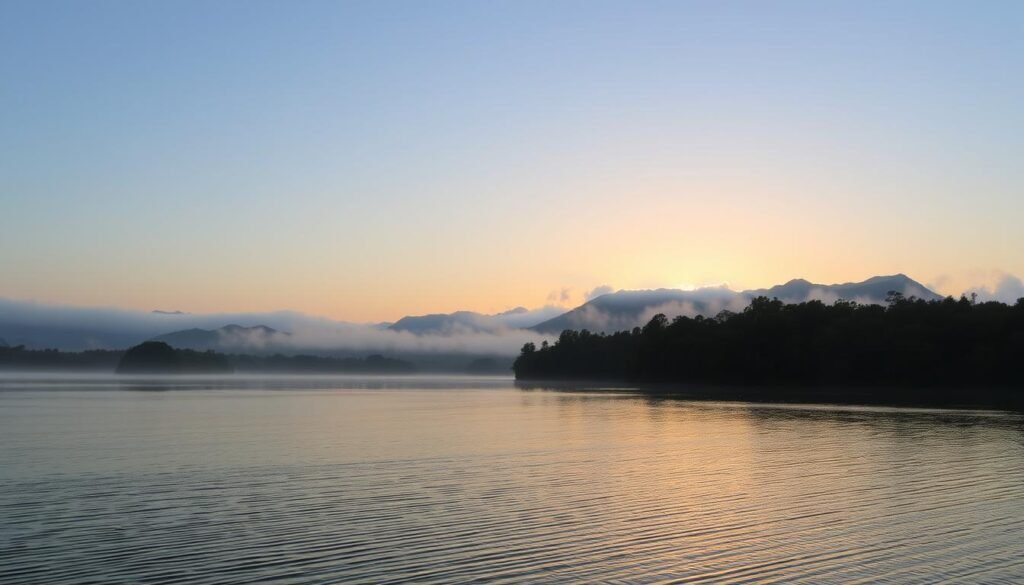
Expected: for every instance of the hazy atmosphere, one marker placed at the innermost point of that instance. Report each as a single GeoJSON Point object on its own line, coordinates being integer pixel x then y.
{"type": "Point", "coordinates": [560, 292]}
{"type": "Point", "coordinates": [368, 161]}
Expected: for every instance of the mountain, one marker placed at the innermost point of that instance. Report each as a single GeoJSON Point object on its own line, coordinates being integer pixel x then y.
{"type": "Point", "coordinates": [229, 337]}
{"type": "Point", "coordinates": [873, 290]}
{"type": "Point", "coordinates": [69, 336]}
{"type": "Point", "coordinates": [69, 328]}
{"type": "Point", "coordinates": [441, 338]}
{"type": "Point", "coordinates": [627, 309]}
{"type": "Point", "coordinates": [443, 323]}
{"type": "Point", "coordinates": [471, 322]}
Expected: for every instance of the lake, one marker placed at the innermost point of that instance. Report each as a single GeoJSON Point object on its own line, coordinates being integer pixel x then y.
{"type": "Point", "coordinates": [435, 479]}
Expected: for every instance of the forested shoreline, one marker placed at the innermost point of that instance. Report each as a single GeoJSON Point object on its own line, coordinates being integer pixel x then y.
{"type": "Point", "coordinates": [953, 345]}
{"type": "Point", "coordinates": [158, 357]}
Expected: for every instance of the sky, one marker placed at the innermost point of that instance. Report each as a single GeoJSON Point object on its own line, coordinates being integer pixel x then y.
{"type": "Point", "coordinates": [365, 161]}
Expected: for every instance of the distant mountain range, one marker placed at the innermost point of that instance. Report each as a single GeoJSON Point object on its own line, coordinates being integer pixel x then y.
{"type": "Point", "coordinates": [228, 337]}
{"type": "Point", "coordinates": [627, 309]}
{"type": "Point", "coordinates": [462, 333]}
{"type": "Point", "coordinates": [874, 290]}
{"type": "Point", "coordinates": [469, 321]}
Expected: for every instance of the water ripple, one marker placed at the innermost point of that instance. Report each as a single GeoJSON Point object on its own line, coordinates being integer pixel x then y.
{"type": "Point", "coordinates": [431, 485]}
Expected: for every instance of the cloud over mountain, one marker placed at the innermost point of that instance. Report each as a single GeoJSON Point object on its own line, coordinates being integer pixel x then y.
{"type": "Point", "coordinates": [471, 322]}
{"type": "Point", "coordinates": [466, 332]}
{"type": "Point", "coordinates": [628, 309]}
{"type": "Point", "coordinates": [77, 328]}
{"type": "Point", "coordinates": [1007, 289]}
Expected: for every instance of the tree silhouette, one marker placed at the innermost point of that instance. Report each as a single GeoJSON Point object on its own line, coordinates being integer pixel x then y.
{"type": "Point", "coordinates": [909, 343]}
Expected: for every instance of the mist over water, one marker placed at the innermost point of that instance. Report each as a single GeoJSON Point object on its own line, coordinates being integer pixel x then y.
{"type": "Point", "coordinates": [434, 479]}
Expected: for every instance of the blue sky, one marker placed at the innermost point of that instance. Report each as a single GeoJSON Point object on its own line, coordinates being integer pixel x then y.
{"type": "Point", "coordinates": [367, 160]}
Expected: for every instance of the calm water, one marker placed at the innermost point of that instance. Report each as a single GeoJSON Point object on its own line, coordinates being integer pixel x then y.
{"type": "Point", "coordinates": [452, 480]}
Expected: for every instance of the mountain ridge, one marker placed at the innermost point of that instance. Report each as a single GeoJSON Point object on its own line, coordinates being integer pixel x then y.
{"type": "Point", "coordinates": [229, 336]}
{"type": "Point", "coordinates": [627, 309]}
{"type": "Point", "coordinates": [81, 328]}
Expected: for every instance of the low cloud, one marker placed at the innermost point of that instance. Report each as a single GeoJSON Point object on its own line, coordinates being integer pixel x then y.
{"type": "Point", "coordinates": [520, 317]}
{"type": "Point", "coordinates": [706, 307]}
{"type": "Point", "coordinates": [594, 319]}
{"type": "Point", "coordinates": [363, 338]}
{"type": "Point", "coordinates": [598, 291]}
{"type": "Point", "coordinates": [75, 328]}
{"type": "Point", "coordinates": [940, 283]}
{"type": "Point", "coordinates": [829, 297]}
{"type": "Point", "coordinates": [1006, 289]}
{"type": "Point", "coordinates": [671, 310]}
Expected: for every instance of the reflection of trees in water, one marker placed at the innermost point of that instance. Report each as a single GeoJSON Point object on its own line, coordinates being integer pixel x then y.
{"type": "Point", "coordinates": [899, 424]}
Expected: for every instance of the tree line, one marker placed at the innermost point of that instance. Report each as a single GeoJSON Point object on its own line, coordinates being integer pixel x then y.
{"type": "Point", "coordinates": [159, 357]}
{"type": "Point", "coordinates": [907, 342]}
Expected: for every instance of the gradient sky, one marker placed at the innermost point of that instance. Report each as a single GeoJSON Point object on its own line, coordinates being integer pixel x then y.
{"type": "Point", "coordinates": [369, 160]}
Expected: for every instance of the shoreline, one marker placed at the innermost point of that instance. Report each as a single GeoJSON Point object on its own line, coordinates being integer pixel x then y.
{"type": "Point", "coordinates": [945, 398]}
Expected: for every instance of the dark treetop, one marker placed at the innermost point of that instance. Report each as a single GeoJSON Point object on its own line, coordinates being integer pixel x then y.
{"type": "Point", "coordinates": [156, 357]}
{"type": "Point", "coordinates": [908, 343]}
